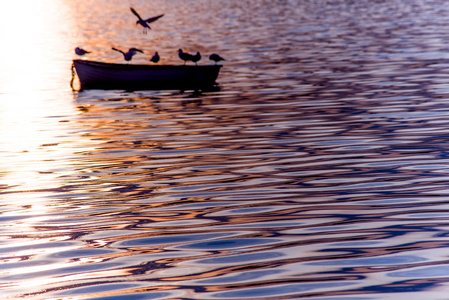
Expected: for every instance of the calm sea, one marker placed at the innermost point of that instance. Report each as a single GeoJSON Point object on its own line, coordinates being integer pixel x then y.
{"type": "Point", "coordinates": [319, 170]}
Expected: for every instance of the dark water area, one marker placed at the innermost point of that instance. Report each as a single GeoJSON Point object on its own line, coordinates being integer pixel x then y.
{"type": "Point", "coordinates": [319, 170]}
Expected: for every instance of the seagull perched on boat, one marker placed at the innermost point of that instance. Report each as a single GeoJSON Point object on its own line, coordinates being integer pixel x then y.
{"type": "Point", "coordinates": [216, 58]}
{"type": "Point", "coordinates": [196, 58]}
{"type": "Point", "coordinates": [155, 58]}
{"type": "Point", "coordinates": [184, 56]}
{"type": "Point", "coordinates": [81, 51]}
{"type": "Point", "coordinates": [128, 55]}
{"type": "Point", "coordinates": [144, 23]}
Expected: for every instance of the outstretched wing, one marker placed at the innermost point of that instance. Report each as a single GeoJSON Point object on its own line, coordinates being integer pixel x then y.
{"type": "Point", "coordinates": [135, 13]}
{"type": "Point", "coordinates": [135, 49]}
{"type": "Point", "coordinates": [151, 20]}
{"type": "Point", "coordinates": [117, 50]}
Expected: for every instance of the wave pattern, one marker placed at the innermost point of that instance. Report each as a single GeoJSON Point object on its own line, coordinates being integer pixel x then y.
{"type": "Point", "coordinates": [318, 171]}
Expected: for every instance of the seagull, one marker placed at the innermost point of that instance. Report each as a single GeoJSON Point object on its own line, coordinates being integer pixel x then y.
{"type": "Point", "coordinates": [196, 58]}
{"type": "Point", "coordinates": [128, 55]}
{"type": "Point", "coordinates": [81, 51]}
{"type": "Point", "coordinates": [184, 56]}
{"type": "Point", "coordinates": [216, 58]}
{"type": "Point", "coordinates": [143, 22]}
{"type": "Point", "coordinates": [155, 58]}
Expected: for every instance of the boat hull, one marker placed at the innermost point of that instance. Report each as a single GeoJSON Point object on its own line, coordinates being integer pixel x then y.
{"type": "Point", "coordinates": [100, 75]}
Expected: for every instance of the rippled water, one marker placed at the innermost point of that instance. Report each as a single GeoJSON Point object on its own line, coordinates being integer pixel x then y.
{"type": "Point", "coordinates": [319, 171]}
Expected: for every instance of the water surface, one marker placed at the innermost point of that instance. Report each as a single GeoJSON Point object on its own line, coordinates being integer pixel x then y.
{"type": "Point", "coordinates": [319, 170]}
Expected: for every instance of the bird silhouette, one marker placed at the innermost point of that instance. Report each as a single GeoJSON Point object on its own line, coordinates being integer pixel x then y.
{"type": "Point", "coordinates": [81, 51]}
{"type": "Point", "coordinates": [196, 58]}
{"type": "Point", "coordinates": [144, 23]}
{"type": "Point", "coordinates": [216, 58]}
{"type": "Point", "coordinates": [128, 55]}
{"type": "Point", "coordinates": [155, 58]}
{"type": "Point", "coordinates": [184, 56]}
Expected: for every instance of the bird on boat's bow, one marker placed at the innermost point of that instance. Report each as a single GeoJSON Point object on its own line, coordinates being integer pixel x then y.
{"type": "Point", "coordinates": [216, 58]}
{"type": "Point", "coordinates": [184, 56]}
{"type": "Point", "coordinates": [155, 58]}
{"type": "Point", "coordinates": [128, 55]}
{"type": "Point", "coordinates": [144, 23]}
{"type": "Point", "coordinates": [81, 51]}
{"type": "Point", "coordinates": [196, 58]}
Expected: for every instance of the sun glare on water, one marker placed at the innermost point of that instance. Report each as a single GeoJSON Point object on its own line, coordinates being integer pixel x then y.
{"type": "Point", "coordinates": [34, 60]}
{"type": "Point", "coordinates": [32, 49]}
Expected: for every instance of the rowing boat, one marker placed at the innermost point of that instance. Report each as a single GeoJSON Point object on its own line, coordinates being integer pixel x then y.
{"type": "Point", "coordinates": [101, 75]}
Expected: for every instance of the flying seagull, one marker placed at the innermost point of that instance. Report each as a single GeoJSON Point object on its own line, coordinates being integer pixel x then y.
{"type": "Point", "coordinates": [81, 51]}
{"type": "Point", "coordinates": [128, 55]}
{"type": "Point", "coordinates": [216, 58]}
{"type": "Point", "coordinates": [143, 22]}
{"type": "Point", "coordinates": [155, 58]}
{"type": "Point", "coordinates": [184, 56]}
{"type": "Point", "coordinates": [196, 58]}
